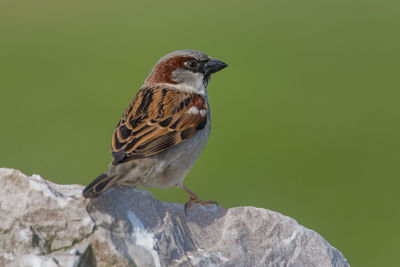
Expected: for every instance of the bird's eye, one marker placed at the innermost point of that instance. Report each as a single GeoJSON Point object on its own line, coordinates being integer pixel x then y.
{"type": "Point", "coordinates": [192, 64]}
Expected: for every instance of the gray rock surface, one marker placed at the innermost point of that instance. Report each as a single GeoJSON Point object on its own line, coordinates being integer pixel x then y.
{"type": "Point", "coordinates": [45, 224]}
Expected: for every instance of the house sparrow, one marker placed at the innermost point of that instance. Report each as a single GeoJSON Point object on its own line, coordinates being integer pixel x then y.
{"type": "Point", "coordinates": [165, 127]}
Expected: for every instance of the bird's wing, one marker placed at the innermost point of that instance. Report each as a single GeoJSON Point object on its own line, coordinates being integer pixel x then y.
{"type": "Point", "coordinates": [155, 120]}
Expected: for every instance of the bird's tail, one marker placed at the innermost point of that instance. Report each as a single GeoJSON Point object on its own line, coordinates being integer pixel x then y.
{"type": "Point", "coordinates": [99, 185]}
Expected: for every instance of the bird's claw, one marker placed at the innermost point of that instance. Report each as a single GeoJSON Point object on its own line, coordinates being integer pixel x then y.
{"type": "Point", "coordinates": [198, 201]}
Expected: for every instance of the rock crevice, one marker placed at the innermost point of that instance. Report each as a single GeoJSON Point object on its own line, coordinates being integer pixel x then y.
{"type": "Point", "coordinates": [47, 224]}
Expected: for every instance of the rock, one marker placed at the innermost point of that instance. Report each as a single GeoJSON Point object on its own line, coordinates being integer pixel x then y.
{"type": "Point", "coordinates": [45, 224]}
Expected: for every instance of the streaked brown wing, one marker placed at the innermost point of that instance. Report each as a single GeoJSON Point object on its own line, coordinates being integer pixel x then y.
{"type": "Point", "coordinates": [156, 119]}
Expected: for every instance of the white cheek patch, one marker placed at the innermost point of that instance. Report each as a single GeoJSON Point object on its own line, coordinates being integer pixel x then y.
{"type": "Point", "coordinates": [193, 110]}
{"type": "Point", "coordinates": [203, 112]}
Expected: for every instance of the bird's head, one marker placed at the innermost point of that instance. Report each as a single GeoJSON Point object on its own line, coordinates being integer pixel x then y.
{"type": "Point", "coordinates": [188, 70]}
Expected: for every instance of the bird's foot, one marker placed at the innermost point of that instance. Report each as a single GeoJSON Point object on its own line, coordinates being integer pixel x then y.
{"type": "Point", "coordinates": [198, 201]}
{"type": "Point", "coordinates": [195, 199]}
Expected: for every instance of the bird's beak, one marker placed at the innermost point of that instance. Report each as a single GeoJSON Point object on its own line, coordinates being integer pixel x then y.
{"type": "Point", "coordinates": [213, 65]}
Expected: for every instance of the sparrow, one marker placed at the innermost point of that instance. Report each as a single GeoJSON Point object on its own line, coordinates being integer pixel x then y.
{"type": "Point", "coordinates": [165, 127]}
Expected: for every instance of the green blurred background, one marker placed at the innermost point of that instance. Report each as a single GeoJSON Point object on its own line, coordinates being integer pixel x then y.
{"type": "Point", "coordinates": [305, 118]}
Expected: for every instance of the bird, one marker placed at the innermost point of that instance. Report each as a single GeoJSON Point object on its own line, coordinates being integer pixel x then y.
{"type": "Point", "coordinates": [165, 127]}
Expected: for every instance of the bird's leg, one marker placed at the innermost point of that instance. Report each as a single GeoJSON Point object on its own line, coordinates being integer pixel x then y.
{"type": "Point", "coordinates": [195, 199]}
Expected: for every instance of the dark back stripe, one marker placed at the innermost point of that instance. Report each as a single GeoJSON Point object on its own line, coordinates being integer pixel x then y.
{"type": "Point", "coordinates": [146, 101]}
{"type": "Point", "coordinates": [173, 126]}
{"type": "Point", "coordinates": [134, 122]}
{"type": "Point", "coordinates": [140, 130]}
{"type": "Point", "coordinates": [117, 144]}
{"type": "Point", "coordinates": [201, 125]}
{"type": "Point", "coordinates": [135, 140]}
{"type": "Point", "coordinates": [186, 133]}
{"type": "Point", "coordinates": [161, 104]}
{"type": "Point", "coordinates": [165, 122]}
{"type": "Point", "coordinates": [124, 132]}
{"type": "Point", "coordinates": [187, 101]}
